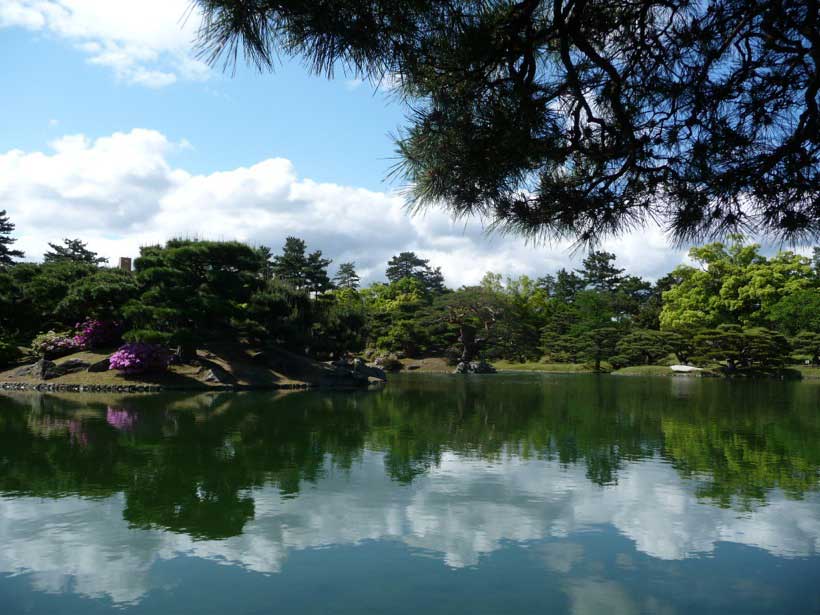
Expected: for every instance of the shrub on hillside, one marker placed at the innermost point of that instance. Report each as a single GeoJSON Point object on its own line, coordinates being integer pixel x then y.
{"type": "Point", "coordinates": [96, 333]}
{"type": "Point", "coordinates": [9, 353]}
{"type": "Point", "coordinates": [139, 358]}
{"type": "Point", "coordinates": [52, 344]}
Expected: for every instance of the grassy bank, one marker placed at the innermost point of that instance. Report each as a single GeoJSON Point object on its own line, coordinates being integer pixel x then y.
{"type": "Point", "coordinates": [550, 368]}
{"type": "Point", "coordinates": [216, 367]}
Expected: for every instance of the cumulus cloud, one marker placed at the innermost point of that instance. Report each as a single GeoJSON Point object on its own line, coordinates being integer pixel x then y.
{"type": "Point", "coordinates": [460, 512]}
{"type": "Point", "coordinates": [121, 191]}
{"type": "Point", "coordinates": [145, 43]}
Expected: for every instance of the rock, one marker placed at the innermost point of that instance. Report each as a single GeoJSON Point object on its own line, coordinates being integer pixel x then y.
{"type": "Point", "coordinates": [100, 366]}
{"type": "Point", "coordinates": [46, 370]}
{"type": "Point", "coordinates": [474, 367]}
{"type": "Point", "coordinates": [73, 365]}
{"type": "Point", "coordinates": [216, 374]}
{"type": "Point", "coordinates": [413, 367]}
{"type": "Point", "coordinates": [684, 369]}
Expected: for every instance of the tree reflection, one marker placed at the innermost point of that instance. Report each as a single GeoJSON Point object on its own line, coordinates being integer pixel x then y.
{"type": "Point", "coordinates": [190, 463]}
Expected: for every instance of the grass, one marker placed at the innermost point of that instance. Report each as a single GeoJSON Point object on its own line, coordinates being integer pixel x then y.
{"type": "Point", "coordinates": [808, 373]}
{"type": "Point", "coordinates": [534, 366]}
{"type": "Point", "coordinates": [645, 370]}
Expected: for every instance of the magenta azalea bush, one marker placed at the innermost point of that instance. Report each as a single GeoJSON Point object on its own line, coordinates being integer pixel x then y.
{"type": "Point", "coordinates": [140, 357]}
{"type": "Point", "coordinates": [95, 333]}
{"type": "Point", "coordinates": [52, 344]}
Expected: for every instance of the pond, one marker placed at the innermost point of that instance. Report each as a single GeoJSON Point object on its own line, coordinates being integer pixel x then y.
{"type": "Point", "coordinates": [437, 494]}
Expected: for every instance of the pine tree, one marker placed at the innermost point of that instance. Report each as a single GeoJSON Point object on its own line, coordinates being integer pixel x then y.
{"type": "Point", "coordinates": [316, 278]}
{"type": "Point", "coordinates": [291, 266]}
{"type": "Point", "coordinates": [6, 253]}
{"type": "Point", "coordinates": [73, 250]}
{"type": "Point", "coordinates": [346, 276]}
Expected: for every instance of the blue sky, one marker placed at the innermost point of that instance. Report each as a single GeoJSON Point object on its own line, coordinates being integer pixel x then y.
{"type": "Point", "coordinates": [331, 130]}
{"type": "Point", "coordinates": [113, 131]}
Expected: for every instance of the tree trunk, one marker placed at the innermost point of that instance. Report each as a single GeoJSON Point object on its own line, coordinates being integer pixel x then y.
{"type": "Point", "coordinates": [186, 353]}
{"type": "Point", "coordinates": [468, 342]}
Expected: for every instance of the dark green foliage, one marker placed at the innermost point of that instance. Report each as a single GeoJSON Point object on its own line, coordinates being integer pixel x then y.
{"type": "Point", "coordinates": [346, 276]}
{"type": "Point", "coordinates": [193, 290]}
{"type": "Point", "coordinates": [644, 347]}
{"type": "Point", "coordinates": [7, 254]}
{"type": "Point", "coordinates": [577, 119]}
{"type": "Point", "coordinates": [799, 311]}
{"type": "Point", "coordinates": [754, 347]}
{"type": "Point", "coordinates": [301, 270]}
{"type": "Point", "coordinates": [72, 250]}
{"type": "Point", "coordinates": [9, 353]}
{"type": "Point", "coordinates": [807, 343]}
{"type": "Point", "coordinates": [408, 265]}
{"type": "Point", "coordinates": [101, 294]}
{"type": "Point", "coordinates": [600, 273]}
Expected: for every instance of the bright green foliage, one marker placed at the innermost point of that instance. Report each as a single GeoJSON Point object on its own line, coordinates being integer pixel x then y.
{"type": "Point", "coordinates": [194, 290]}
{"type": "Point", "coordinates": [72, 250]}
{"type": "Point", "coordinates": [734, 284]}
{"type": "Point", "coordinates": [7, 254]}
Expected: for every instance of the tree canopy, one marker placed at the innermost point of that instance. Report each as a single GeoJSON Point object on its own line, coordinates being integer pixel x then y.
{"type": "Point", "coordinates": [73, 250]}
{"type": "Point", "coordinates": [7, 254]}
{"type": "Point", "coordinates": [572, 118]}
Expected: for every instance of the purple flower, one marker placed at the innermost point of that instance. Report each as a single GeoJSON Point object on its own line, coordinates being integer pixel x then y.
{"type": "Point", "coordinates": [139, 357]}
{"type": "Point", "coordinates": [120, 418]}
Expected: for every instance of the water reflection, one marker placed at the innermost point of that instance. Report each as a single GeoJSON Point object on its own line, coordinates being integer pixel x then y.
{"type": "Point", "coordinates": [97, 491]}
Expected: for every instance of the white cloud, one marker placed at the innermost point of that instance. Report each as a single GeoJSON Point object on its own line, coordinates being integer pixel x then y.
{"type": "Point", "coordinates": [121, 191]}
{"type": "Point", "coordinates": [146, 43]}
{"type": "Point", "coordinates": [461, 511]}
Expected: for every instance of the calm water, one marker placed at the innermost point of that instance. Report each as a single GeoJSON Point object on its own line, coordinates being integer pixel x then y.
{"type": "Point", "coordinates": [498, 494]}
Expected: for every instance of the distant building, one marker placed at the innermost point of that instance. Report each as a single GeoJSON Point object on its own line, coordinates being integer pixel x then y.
{"type": "Point", "coordinates": [125, 263]}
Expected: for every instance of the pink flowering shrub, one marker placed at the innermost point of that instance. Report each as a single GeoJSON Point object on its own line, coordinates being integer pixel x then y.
{"type": "Point", "coordinates": [52, 344]}
{"type": "Point", "coordinates": [139, 357]}
{"type": "Point", "coordinates": [95, 333]}
{"type": "Point", "coordinates": [120, 418]}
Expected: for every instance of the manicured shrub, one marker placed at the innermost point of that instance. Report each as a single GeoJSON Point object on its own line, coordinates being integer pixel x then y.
{"type": "Point", "coordinates": [9, 353]}
{"type": "Point", "coordinates": [96, 333]}
{"type": "Point", "coordinates": [140, 357]}
{"type": "Point", "coordinates": [52, 344]}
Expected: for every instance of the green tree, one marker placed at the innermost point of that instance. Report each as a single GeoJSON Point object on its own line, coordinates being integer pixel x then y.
{"type": "Point", "coordinates": [742, 348]}
{"type": "Point", "coordinates": [581, 119]}
{"type": "Point", "coordinates": [193, 291]}
{"type": "Point", "coordinates": [291, 266]}
{"type": "Point", "coordinates": [409, 265]}
{"type": "Point", "coordinates": [644, 347]}
{"type": "Point", "coordinates": [798, 311]}
{"type": "Point", "coordinates": [346, 276]}
{"type": "Point", "coordinates": [73, 250]}
{"type": "Point", "coordinates": [600, 273]}
{"type": "Point", "coordinates": [7, 254]}
{"type": "Point", "coordinates": [316, 278]}
{"type": "Point", "coordinates": [807, 343]}
{"type": "Point", "coordinates": [474, 312]}
{"type": "Point", "coordinates": [733, 285]}
{"type": "Point", "coordinates": [102, 294]}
